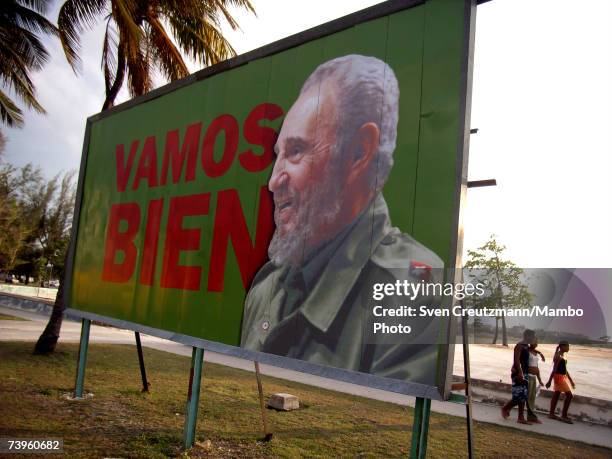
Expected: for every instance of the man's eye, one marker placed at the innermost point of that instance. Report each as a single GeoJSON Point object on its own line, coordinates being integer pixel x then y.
{"type": "Point", "coordinates": [294, 151]}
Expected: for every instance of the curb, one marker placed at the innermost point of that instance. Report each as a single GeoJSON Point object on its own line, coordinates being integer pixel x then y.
{"type": "Point", "coordinates": [546, 393]}
{"type": "Point", "coordinates": [45, 306]}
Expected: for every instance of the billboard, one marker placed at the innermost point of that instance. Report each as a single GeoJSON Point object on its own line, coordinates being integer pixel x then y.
{"type": "Point", "coordinates": [251, 207]}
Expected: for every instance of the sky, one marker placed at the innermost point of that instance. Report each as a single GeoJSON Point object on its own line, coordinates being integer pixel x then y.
{"type": "Point", "coordinates": [542, 101]}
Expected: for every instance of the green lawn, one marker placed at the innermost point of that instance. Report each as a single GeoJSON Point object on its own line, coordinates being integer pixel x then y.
{"type": "Point", "coordinates": [7, 317]}
{"type": "Point", "coordinates": [122, 421]}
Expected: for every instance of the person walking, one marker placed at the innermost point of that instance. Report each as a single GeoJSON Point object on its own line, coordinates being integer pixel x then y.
{"type": "Point", "coordinates": [562, 381]}
{"type": "Point", "coordinates": [534, 379]}
{"type": "Point", "coordinates": [520, 378]}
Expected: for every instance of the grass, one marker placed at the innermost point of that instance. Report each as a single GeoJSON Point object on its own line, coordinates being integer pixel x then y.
{"type": "Point", "coordinates": [120, 420]}
{"type": "Point", "coordinates": [7, 317]}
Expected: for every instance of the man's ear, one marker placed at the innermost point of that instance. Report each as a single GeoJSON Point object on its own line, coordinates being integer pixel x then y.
{"type": "Point", "coordinates": [363, 149]}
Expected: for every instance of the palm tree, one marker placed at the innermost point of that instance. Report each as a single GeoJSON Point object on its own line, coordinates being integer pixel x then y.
{"type": "Point", "coordinates": [21, 51]}
{"type": "Point", "coordinates": [137, 42]}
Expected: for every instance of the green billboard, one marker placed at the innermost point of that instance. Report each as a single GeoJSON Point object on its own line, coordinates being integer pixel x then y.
{"type": "Point", "coordinates": [253, 205]}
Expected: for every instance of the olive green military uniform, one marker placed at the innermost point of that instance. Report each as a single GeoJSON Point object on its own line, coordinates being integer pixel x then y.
{"type": "Point", "coordinates": [322, 312]}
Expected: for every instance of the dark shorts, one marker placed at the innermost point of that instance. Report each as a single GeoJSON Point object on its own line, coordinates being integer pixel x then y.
{"type": "Point", "coordinates": [520, 390]}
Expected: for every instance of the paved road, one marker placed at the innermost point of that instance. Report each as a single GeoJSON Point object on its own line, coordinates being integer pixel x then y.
{"type": "Point", "coordinates": [12, 330]}
{"type": "Point", "coordinates": [591, 368]}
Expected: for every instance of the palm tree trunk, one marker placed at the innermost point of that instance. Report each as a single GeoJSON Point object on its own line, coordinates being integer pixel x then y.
{"type": "Point", "coordinates": [504, 332]}
{"type": "Point", "coordinates": [496, 330]}
{"type": "Point", "coordinates": [48, 339]}
{"type": "Point", "coordinates": [112, 92]}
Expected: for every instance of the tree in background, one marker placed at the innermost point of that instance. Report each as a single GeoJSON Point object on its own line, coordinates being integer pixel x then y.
{"type": "Point", "coordinates": [15, 228]}
{"type": "Point", "coordinates": [35, 219]}
{"type": "Point", "coordinates": [21, 52]}
{"type": "Point", "coordinates": [50, 209]}
{"type": "Point", "coordinates": [53, 212]}
{"type": "Point", "coordinates": [55, 222]}
{"type": "Point", "coordinates": [35, 224]}
{"type": "Point", "coordinates": [137, 40]}
{"type": "Point", "coordinates": [502, 279]}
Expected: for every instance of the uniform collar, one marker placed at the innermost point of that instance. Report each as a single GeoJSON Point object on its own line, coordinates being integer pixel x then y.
{"type": "Point", "coordinates": [331, 274]}
{"type": "Point", "coordinates": [311, 271]}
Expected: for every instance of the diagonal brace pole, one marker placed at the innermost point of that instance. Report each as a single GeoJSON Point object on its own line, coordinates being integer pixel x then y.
{"type": "Point", "coordinates": [267, 434]}
{"type": "Point", "coordinates": [143, 371]}
{"type": "Point", "coordinates": [82, 362]}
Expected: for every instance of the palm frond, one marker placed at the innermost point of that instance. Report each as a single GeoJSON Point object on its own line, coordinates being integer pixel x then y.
{"type": "Point", "coordinates": [31, 20]}
{"type": "Point", "coordinates": [239, 4]}
{"type": "Point", "coordinates": [14, 75]}
{"type": "Point", "coordinates": [74, 16]}
{"type": "Point", "coordinates": [137, 37]}
{"type": "Point", "coordinates": [10, 114]}
{"type": "Point", "coordinates": [130, 34]}
{"type": "Point", "coordinates": [201, 40]}
{"type": "Point", "coordinates": [165, 53]}
{"type": "Point", "coordinates": [42, 6]}
{"type": "Point", "coordinates": [139, 72]}
{"type": "Point", "coordinates": [223, 7]}
{"type": "Point", "coordinates": [19, 30]}
{"type": "Point", "coordinates": [23, 45]}
{"type": "Point", "coordinates": [21, 51]}
{"type": "Point", "coordinates": [24, 88]}
{"type": "Point", "coordinates": [109, 58]}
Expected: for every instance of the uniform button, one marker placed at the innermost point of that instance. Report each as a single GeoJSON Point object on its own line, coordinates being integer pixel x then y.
{"type": "Point", "coordinates": [388, 240]}
{"type": "Point", "coordinates": [265, 325]}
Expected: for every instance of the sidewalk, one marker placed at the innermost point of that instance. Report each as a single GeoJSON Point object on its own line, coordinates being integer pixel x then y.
{"type": "Point", "coordinates": [13, 330]}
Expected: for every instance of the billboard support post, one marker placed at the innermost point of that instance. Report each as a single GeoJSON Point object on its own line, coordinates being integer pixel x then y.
{"type": "Point", "coordinates": [143, 371]}
{"type": "Point", "coordinates": [416, 427]}
{"type": "Point", "coordinates": [424, 428]}
{"type": "Point", "coordinates": [420, 428]}
{"type": "Point", "coordinates": [193, 396]}
{"type": "Point", "coordinates": [267, 433]}
{"type": "Point", "coordinates": [468, 387]}
{"type": "Point", "coordinates": [82, 362]}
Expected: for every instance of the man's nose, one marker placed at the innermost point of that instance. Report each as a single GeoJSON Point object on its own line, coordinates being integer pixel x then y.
{"type": "Point", "coordinates": [279, 176]}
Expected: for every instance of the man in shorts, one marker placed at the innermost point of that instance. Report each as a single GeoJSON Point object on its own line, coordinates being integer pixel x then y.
{"type": "Point", "coordinates": [520, 378]}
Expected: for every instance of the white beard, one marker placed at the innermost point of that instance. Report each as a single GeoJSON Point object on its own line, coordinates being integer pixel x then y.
{"type": "Point", "coordinates": [318, 207]}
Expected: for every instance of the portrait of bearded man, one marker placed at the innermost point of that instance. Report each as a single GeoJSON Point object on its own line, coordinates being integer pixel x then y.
{"type": "Point", "coordinates": [334, 239]}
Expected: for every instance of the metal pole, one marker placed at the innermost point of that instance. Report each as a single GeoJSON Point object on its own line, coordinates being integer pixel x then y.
{"type": "Point", "coordinates": [83, 347]}
{"type": "Point", "coordinates": [193, 396]}
{"type": "Point", "coordinates": [143, 371]}
{"type": "Point", "coordinates": [424, 428]}
{"type": "Point", "coordinates": [417, 425]}
{"type": "Point", "coordinates": [468, 387]}
{"type": "Point", "coordinates": [267, 433]}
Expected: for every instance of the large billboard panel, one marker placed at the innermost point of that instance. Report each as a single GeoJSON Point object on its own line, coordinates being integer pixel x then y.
{"type": "Point", "coordinates": [255, 205]}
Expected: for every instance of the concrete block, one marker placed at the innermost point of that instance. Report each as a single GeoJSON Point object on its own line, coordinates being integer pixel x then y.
{"type": "Point", "coordinates": [284, 402]}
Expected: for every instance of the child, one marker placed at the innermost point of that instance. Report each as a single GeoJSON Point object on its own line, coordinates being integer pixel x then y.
{"type": "Point", "coordinates": [534, 374]}
{"type": "Point", "coordinates": [561, 376]}
{"type": "Point", "coordinates": [519, 374]}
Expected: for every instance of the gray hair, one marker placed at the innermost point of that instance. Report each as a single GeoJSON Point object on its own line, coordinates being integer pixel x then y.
{"type": "Point", "coordinates": [368, 93]}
